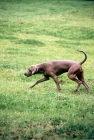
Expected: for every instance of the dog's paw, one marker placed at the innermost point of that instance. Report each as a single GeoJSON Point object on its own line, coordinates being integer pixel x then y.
{"type": "Point", "coordinates": [60, 81]}
{"type": "Point", "coordinates": [75, 90]}
{"type": "Point", "coordinates": [30, 87]}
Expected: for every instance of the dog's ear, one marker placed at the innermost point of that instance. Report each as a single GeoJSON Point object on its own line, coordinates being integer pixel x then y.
{"type": "Point", "coordinates": [35, 69]}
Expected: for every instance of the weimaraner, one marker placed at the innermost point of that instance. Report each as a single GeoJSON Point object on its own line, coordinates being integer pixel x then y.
{"type": "Point", "coordinates": [56, 67]}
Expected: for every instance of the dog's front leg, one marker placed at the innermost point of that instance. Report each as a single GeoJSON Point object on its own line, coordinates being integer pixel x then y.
{"type": "Point", "coordinates": [56, 80]}
{"type": "Point", "coordinates": [39, 81]}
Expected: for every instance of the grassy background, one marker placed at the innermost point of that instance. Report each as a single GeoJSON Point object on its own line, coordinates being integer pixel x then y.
{"type": "Point", "coordinates": [33, 32]}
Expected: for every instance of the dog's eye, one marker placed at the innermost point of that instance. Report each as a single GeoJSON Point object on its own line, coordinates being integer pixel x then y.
{"type": "Point", "coordinates": [29, 70]}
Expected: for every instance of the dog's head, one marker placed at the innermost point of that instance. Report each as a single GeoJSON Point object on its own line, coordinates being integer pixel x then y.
{"type": "Point", "coordinates": [32, 70]}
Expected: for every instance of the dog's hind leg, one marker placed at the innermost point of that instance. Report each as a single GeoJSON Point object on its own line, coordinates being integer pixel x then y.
{"type": "Point", "coordinates": [77, 87]}
{"type": "Point", "coordinates": [81, 78]}
{"type": "Point", "coordinates": [73, 77]}
{"type": "Point", "coordinates": [72, 74]}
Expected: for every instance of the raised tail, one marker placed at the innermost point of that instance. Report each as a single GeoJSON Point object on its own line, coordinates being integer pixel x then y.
{"type": "Point", "coordinates": [84, 58]}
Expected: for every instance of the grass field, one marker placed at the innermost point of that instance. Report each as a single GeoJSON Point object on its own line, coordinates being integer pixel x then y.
{"type": "Point", "coordinates": [33, 32]}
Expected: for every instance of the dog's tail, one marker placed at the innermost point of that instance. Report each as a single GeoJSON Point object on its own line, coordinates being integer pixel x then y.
{"type": "Point", "coordinates": [84, 58]}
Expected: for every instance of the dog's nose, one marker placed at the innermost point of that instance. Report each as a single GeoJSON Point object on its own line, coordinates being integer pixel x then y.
{"type": "Point", "coordinates": [25, 74]}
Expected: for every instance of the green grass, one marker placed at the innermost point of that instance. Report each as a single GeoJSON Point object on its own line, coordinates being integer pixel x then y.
{"type": "Point", "coordinates": [33, 32]}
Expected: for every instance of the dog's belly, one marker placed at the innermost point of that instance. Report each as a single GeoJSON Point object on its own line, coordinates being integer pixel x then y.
{"type": "Point", "coordinates": [61, 71]}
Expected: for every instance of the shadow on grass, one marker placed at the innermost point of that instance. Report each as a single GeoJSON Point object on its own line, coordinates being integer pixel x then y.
{"type": "Point", "coordinates": [32, 42]}
{"type": "Point", "coordinates": [22, 41]}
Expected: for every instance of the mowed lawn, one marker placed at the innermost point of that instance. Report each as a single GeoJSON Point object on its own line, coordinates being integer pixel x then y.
{"type": "Point", "coordinates": [33, 32]}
